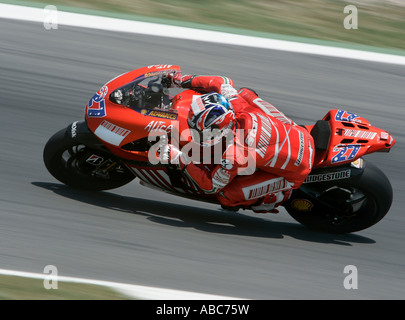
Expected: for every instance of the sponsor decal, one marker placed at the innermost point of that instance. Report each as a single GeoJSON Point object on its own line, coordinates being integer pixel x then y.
{"type": "Point", "coordinates": [95, 160]}
{"type": "Point", "coordinates": [96, 105]}
{"type": "Point", "coordinates": [74, 129]}
{"type": "Point", "coordinates": [264, 188]}
{"type": "Point", "coordinates": [328, 176]}
{"type": "Point", "coordinates": [345, 152]}
{"type": "Point", "coordinates": [197, 105]}
{"type": "Point", "coordinates": [384, 135]}
{"type": "Point", "coordinates": [301, 150]}
{"type": "Point", "coordinates": [159, 114]}
{"type": "Point", "coordinates": [111, 133]}
{"type": "Point", "coordinates": [311, 153]}
{"type": "Point", "coordinates": [160, 66]}
{"type": "Point", "coordinates": [220, 178]}
{"type": "Point", "coordinates": [359, 163]}
{"type": "Point", "coordinates": [151, 74]}
{"type": "Point", "coordinates": [359, 134]}
{"type": "Point", "coordinates": [158, 126]}
{"type": "Point", "coordinates": [265, 135]}
{"type": "Point", "coordinates": [302, 205]}
{"type": "Point", "coordinates": [343, 115]}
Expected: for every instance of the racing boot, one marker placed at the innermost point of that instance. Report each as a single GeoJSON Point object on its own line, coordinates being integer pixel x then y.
{"type": "Point", "coordinates": [269, 203]}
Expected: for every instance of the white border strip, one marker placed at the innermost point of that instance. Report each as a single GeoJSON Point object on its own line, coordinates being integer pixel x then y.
{"type": "Point", "coordinates": [120, 25]}
{"type": "Point", "coordinates": [132, 291]}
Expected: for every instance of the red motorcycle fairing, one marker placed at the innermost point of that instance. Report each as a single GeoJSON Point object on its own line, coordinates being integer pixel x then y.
{"type": "Point", "coordinates": [342, 137]}
{"type": "Point", "coordinates": [124, 128]}
{"type": "Point", "coordinates": [130, 131]}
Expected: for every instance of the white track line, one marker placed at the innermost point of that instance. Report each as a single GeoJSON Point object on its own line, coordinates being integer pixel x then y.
{"type": "Point", "coordinates": [153, 29]}
{"type": "Point", "coordinates": [132, 291]}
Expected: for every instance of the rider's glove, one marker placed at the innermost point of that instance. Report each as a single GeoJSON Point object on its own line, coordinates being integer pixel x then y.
{"type": "Point", "coordinates": [175, 78]}
{"type": "Point", "coordinates": [180, 81]}
{"type": "Point", "coordinates": [228, 91]}
{"type": "Point", "coordinates": [170, 154]}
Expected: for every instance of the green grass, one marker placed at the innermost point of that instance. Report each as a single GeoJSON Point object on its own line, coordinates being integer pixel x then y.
{"type": "Point", "coordinates": [19, 288]}
{"type": "Point", "coordinates": [381, 23]}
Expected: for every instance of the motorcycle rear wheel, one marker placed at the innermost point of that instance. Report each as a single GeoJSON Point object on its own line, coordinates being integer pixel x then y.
{"type": "Point", "coordinates": [349, 206]}
{"type": "Point", "coordinates": [68, 161]}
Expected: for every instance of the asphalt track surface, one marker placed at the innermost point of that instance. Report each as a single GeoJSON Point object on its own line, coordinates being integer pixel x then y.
{"type": "Point", "coordinates": [140, 236]}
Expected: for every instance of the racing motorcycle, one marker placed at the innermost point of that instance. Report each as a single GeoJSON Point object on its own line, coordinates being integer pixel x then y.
{"type": "Point", "coordinates": [134, 113]}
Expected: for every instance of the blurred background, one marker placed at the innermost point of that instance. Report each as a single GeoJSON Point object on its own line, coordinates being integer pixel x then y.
{"type": "Point", "coordinates": [381, 23]}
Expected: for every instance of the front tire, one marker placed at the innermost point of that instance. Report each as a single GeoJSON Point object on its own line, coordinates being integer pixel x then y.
{"type": "Point", "coordinates": [67, 159]}
{"type": "Point", "coordinates": [350, 205]}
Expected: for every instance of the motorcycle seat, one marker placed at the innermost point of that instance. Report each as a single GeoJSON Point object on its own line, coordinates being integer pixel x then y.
{"type": "Point", "coordinates": [321, 134]}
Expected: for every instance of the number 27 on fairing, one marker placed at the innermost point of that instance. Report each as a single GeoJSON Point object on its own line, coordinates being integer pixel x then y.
{"type": "Point", "coordinates": [346, 152]}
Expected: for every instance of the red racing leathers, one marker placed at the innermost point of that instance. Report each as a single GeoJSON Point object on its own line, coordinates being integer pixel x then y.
{"type": "Point", "coordinates": [269, 153]}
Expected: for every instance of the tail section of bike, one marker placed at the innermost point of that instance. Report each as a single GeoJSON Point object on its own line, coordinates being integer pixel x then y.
{"type": "Point", "coordinates": [343, 193]}
{"type": "Point", "coordinates": [342, 137]}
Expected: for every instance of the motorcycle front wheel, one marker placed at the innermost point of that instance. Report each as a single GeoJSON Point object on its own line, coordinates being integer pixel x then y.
{"type": "Point", "coordinates": [81, 166]}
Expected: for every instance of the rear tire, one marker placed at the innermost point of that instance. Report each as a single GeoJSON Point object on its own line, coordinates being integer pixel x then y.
{"type": "Point", "coordinates": [372, 191]}
{"type": "Point", "coordinates": [65, 158]}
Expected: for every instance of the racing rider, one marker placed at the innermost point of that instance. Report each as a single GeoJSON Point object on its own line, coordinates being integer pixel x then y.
{"type": "Point", "coordinates": [281, 149]}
